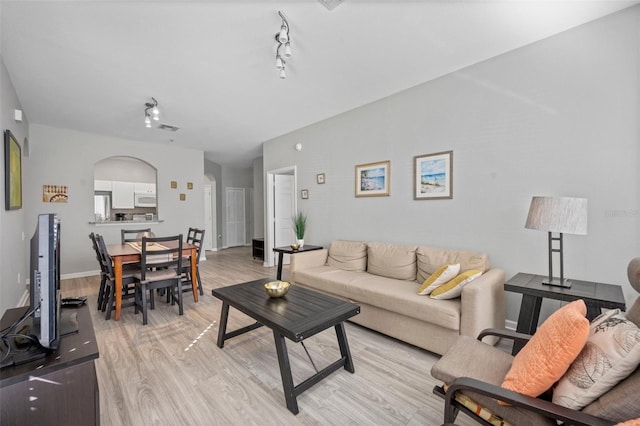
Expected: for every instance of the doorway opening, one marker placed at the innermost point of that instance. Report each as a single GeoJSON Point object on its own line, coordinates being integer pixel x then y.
{"type": "Point", "coordinates": [281, 207]}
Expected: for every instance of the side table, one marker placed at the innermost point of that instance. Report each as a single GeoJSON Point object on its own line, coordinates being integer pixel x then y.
{"type": "Point", "coordinates": [595, 295]}
{"type": "Point", "coordinates": [288, 250]}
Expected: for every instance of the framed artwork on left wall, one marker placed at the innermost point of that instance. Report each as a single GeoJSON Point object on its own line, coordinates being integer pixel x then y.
{"type": "Point", "coordinates": [12, 172]}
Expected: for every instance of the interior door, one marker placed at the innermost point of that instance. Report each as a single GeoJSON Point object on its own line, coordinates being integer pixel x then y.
{"type": "Point", "coordinates": [236, 232]}
{"type": "Point", "coordinates": [284, 209]}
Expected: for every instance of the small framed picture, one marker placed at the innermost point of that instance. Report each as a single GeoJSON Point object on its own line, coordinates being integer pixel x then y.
{"type": "Point", "coordinates": [320, 178]}
{"type": "Point", "coordinates": [174, 184]}
{"type": "Point", "coordinates": [183, 197]}
{"type": "Point", "coordinates": [432, 176]}
{"type": "Point", "coordinates": [305, 194]}
{"type": "Point", "coordinates": [373, 179]}
{"type": "Point", "coordinates": [189, 185]}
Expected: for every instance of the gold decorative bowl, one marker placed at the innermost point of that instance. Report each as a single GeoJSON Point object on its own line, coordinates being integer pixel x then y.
{"type": "Point", "coordinates": [295, 246]}
{"type": "Point", "coordinates": [276, 288]}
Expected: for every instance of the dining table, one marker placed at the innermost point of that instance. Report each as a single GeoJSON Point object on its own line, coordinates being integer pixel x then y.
{"type": "Point", "coordinates": [127, 253]}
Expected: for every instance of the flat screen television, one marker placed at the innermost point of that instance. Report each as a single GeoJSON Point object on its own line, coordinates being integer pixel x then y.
{"type": "Point", "coordinates": [44, 281]}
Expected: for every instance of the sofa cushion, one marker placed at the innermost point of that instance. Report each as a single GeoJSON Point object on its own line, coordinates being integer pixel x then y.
{"type": "Point", "coordinates": [550, 352]}
{"type": "Point", "coordinates": [620, 403]}
{"type": "Point", "coordinates": [392, 261]}
{"type": "Point", "coordinates": [385, 293]}
{"type": "Point", "coordinates": [444, 274]}
{"type": "Point", "coordinates": [429, 259]}
{"type": "Point", "coordinates": [348, 255]}
{"type": "Point", "coordinates": [453, 288]}
{"type": "Point", "coordinates": [611, 354]}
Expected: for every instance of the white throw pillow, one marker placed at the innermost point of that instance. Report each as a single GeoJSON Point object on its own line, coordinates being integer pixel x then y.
{"type": "Point", "coordinates": [611, 354]}
{"type": "Point", "coordinates": [444, 274]}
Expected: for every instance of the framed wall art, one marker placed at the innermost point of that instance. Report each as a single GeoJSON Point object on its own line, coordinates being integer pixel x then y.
{"type": "Point", "coordinates": [320, 178]}
{"type": "Point", "coordinates": [433, 176]}
{"type": "Point", "coordinates": [373, 179]}
{"type": "Point", "coordinates": [12, 172]}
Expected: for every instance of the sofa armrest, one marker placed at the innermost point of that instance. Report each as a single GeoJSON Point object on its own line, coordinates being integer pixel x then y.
{"type": "Point", "coordinates": [483, 304]}
{"type": "Point", "coordinates": [306, 260]}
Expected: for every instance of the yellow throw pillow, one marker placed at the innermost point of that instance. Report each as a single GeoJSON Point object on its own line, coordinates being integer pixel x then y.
{"type": "Point", "coordinates": [453, 288]}
{"type": "Point", "coordinates": [440, 276]}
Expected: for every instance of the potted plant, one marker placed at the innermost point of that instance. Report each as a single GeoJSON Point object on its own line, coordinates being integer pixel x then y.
{"type": "Point", "coordinates": [299, 227]}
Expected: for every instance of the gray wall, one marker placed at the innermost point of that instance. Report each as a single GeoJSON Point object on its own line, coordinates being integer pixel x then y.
{"type": "Point", "coordinates": [13, 261]}
{"type": "Point", "coordinates": [258, 198]}
{"type": "Point", "coordinates": [66, 157]}
{"type": "Point", "coordinates": [214, 172]}
{"type": "Point", "coordinates": [558, 117]}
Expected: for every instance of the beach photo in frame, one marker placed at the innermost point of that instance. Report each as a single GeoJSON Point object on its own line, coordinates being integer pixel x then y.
{"type": "Point", "coordinates": [433, 176]}
{"type": "Point", "coordinates": [12, 172]}
{"type": "Point", "coordinates": [373, 179]}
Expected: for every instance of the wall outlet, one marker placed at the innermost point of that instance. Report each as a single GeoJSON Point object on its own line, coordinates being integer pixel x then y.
{"type": "Point", "coordinates": [19, 281]}
{"type": "Point", "coordinates": [23, 236]}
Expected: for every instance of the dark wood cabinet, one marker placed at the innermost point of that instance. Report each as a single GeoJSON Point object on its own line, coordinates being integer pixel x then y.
{"type": "Point", "coordinates": [257, 246]}
{"type": "Point", "coordinates": [60, 389]}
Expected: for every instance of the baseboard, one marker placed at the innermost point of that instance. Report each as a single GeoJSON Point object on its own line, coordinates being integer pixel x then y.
{"type": "Point", "coordinates": [510, 325]}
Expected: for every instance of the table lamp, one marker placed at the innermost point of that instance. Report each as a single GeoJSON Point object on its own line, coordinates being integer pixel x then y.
{"type": "Point", "coordinates": [561, 215]}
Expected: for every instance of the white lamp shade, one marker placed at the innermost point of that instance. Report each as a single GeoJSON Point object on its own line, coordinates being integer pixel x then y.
{"type": "Point", "coordinates": [558, 214]}
{"type": "Point", "coordinates": [279, 63]}
{"type": "Point", "coordinates": [287, 49]}
{"type": "Point", "coordinates": [283, 73]}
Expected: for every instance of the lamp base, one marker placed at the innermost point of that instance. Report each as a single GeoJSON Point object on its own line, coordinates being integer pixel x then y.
{"type": "Point", "coordinates": [556, 282]}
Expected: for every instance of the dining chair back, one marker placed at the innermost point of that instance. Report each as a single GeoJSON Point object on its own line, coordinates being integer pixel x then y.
{"type": "Point", "coordinates": [128, 280]}
{"type": "Point", "coordinates": [129, 235]}
{"type": "Point", "coordinates": [103, 272]}
{"type": "Point", "coordinates": [195, 236]}
{"type": "Point", "coordinates": [161, 266]}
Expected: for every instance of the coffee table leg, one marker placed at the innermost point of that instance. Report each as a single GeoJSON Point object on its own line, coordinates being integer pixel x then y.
{"type": "Point", "coordinates": [344, 348]}
{"type": "Point", "coordinates": [222, 329]}
{"type": "Point", "coordinates": [285, 372]}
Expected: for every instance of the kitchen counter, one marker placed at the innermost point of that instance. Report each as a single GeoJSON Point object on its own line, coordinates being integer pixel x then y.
{"type": "Point", "coordinates": [126, 222]}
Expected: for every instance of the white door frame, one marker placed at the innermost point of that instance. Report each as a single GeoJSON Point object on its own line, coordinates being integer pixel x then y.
{"type": "Point", "coordinates": [270, 191]}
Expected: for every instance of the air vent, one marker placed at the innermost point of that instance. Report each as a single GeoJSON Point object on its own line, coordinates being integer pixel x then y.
{"type": "Point", "coordinates": [331, 4]}
{"type": "Point", "coordinates": [168, 127]}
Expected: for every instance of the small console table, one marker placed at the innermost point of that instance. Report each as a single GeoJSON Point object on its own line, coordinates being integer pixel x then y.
{"type": "Point", "coordinates": [60, 389]}
{"type": "Point", "coordinates": [595, 295]}
{"type": "Point", "coordinates": [288, 250]}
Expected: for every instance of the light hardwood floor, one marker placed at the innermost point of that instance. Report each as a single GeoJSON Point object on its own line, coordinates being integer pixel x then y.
{"type": "Point", "coordinates": [170, 372]}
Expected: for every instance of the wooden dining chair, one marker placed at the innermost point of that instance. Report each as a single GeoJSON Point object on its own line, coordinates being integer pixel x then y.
{"type": "Point", "coordinates": [195, 236]}
{"type": "Point", "coordinates": [103, 276]}
{"type": "Point", "coordinates": [128, 280]}
{"type": "Point", "coordinates": [129, 235]}
{"type": "Point", "coordinates": [161, 266]}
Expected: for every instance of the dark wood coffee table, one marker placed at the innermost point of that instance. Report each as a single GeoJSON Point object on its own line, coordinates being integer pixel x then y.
{"type": "Point", "coordinates": [300, 314]}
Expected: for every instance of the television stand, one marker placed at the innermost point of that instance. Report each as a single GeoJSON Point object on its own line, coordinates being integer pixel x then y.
{"type": "Point", "coordinates": [62, 385]}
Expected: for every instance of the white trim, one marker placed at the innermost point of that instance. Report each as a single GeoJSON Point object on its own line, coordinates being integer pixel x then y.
{"type": "Point", "coordinates": [24, 300]}
{"type": "Point", "coordinates": [510, 325]}
{"type": "Point", "coordinates": [80, 274]}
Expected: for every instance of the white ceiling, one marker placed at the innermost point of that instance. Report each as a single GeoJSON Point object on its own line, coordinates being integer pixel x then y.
{"type": "Point", "coordinates": [91, 65]}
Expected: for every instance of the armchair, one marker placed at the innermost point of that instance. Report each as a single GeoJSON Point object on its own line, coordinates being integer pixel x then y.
{"type": "Point", "coordinates": [474, 371]}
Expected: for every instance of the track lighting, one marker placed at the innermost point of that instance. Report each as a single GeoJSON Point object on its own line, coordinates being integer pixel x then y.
{"type": "Point", "coordinates": [153, 106]}
{"type": "Point", "coordinates": [283, 38]}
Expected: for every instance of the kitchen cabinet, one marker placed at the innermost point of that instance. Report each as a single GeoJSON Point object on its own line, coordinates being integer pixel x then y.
{"type": "Point", "coordinates": [145, 188]}
{"type": "Point", "coordinates": [102, 185]}
{"type": "Point", "coordinates": [122, 196]}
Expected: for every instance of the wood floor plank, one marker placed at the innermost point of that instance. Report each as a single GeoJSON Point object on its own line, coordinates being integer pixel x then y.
{"type": "Point", "coordinates": [170, 372]}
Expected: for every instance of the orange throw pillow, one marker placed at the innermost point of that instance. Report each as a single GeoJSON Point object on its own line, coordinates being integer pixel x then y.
{"type": "Point", "coordinates": [550, 352]}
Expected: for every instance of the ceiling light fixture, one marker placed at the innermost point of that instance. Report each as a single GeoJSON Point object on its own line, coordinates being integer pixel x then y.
{"type": "Point", "coordinates": [284, 39]}
{"type": "Point", "coordinates": [153, 106]}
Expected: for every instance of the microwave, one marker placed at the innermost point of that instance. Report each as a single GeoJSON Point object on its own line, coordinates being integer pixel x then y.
{"type": "Point", "coordinates": [144, 200]}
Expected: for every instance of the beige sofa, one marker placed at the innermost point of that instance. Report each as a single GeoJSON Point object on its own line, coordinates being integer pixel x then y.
{"type": "Point", "coordinates": [384, 279]}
